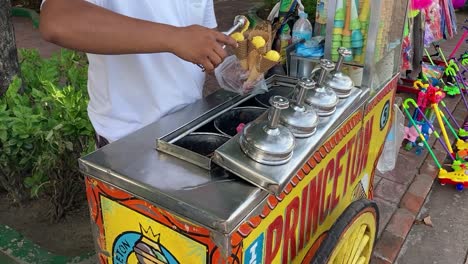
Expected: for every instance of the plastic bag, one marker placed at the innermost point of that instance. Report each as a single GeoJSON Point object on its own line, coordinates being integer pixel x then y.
{"type": "Point", "coordinates": [311, 48]}
{"type": "Point", "coordinates": [393, 142]}
{"type": "Point", "coordinates": [232, 77]}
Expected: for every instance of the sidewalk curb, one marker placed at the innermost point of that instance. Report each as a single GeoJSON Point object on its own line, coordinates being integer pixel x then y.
{"type": "Point", "coordinates": [394, 235]}
{"type": "Point", "coordinates": [26, 12]}
{"type": "Point", "coordinates": [22, 250]}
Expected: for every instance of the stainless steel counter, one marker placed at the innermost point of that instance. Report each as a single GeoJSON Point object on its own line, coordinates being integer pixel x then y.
{"type": "Point", "coordinates": [216, 199]}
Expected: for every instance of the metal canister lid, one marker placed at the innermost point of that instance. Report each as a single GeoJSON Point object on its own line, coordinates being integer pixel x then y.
{"type": "Point", "coordinates": [324, 99]}
{"type": "Point", "coordinates": [268, 142]}
{"type": "Point", "coordinates": [301, 119]}
{"type": "Point", "coordinates": [341, 83]}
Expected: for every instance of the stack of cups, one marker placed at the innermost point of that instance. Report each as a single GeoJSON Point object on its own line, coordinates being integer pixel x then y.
{"type": "Point", "coordinates": [338, 28]}
{"type": "Point", "coordinates": [347, 28]}
{"type": "Point", "coordinates": [364, 15]}
{"type": "Point", "coordinates": [357, 40]}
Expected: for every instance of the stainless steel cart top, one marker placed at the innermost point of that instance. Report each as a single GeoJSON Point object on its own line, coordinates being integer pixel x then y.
{"type": "Point", "coordinates": [216, 199]}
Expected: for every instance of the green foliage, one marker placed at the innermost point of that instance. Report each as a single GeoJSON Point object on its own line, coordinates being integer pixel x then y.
{"type": "Point", "coordinates": [32, 4]}
{"type": "Point", "coordinates": [270, 3]}
{"type": "Point", "coordinates": [310, 7]}
{"type": "Point", "coordinates": [45, 129]}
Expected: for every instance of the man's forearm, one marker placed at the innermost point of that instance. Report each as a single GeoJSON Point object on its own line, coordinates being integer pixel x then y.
{"type": "Point", "coordinates": [79, 25]}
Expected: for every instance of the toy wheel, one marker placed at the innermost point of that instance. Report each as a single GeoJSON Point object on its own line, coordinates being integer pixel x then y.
{"type": "Point", "coordinates": [351, 239]}
{"type": "Point", "coordinates": [460, 187]}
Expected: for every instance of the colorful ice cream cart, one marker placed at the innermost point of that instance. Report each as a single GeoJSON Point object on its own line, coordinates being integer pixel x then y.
{"type": "Point", "coordinates": [187, 189]}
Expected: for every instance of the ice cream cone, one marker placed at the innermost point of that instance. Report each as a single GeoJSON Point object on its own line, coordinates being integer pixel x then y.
{"type": "Point", "coordinates": [241, 53]}
{"type": "Point", "coordinates": [266, 27]}
{"type": "Point", "coordinates": [265, 35]}
{"type": "Point", "coordinates": [265, 65]}
{"type": "Point", "coordinates": [253, 58]}
{"type": "Point", "coordinates": [256, 47]}
{"type": "Point", "coordinates": [261, 67]}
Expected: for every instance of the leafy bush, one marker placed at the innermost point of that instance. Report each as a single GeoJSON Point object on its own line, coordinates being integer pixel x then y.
{"type": "Point", "coordinates": [270, 3]}
{"type": "Point", "coordinates": [32, 4]}
{"type": "Point", "coordinates": [310, 7]}
{"type": "Point", "coordinates": [45, 129]}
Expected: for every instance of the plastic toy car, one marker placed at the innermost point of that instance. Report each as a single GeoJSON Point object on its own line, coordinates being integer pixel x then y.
{"type": "Point", "coordinates": [457, 178]}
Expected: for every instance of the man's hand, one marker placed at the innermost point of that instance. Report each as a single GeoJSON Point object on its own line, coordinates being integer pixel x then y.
{"type": "Point", "coordinates": [201, 46]}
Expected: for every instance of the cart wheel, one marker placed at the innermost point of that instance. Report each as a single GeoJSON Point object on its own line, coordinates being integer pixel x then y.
{"type": "Point", "coordinates": [351, 239]}
{"type": "Point", "coordinates": [460, 187]}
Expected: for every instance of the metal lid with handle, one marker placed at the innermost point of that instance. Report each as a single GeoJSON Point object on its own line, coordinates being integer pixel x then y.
{"type": "Point", "coordinates": [268, 142]}
{"type": "Point", "coordinates": [323, 98]}
{"type": "Point", "coordinates": [301, 119]}
{"type": "Point", "coordinates": [341, 83]}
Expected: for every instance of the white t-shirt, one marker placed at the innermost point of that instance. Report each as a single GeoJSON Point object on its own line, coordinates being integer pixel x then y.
{"type": "Point", "coordinates": [128, 92]}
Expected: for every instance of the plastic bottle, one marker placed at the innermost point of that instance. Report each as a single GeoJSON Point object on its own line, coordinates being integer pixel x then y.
{"type": "Point", "coordinates": [285, 41]}
{"type": "Point", "coordinates": [302, 28]}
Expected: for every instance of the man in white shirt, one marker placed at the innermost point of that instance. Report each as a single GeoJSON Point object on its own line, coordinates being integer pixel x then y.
{"type": "Point", "coordinates": [142, 55]}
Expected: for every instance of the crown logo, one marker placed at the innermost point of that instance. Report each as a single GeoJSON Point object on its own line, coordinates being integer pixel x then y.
{"type": "Point", "coordinates": [149, 233]}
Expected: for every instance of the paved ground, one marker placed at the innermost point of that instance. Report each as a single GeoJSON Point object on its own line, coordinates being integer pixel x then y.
{"type": "Point", "coordinates": [446, 241]}
{"type": "Point", "coordinates": [400, 194]}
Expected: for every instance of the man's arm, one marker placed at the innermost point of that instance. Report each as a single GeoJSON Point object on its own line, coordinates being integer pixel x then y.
{"type": "Point", "coordinates": [83, 26]}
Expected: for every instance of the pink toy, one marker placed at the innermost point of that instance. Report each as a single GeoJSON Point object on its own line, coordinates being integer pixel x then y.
{"type": "Point", "coordinates": [420, 4]}
{"type": "Point", "coordinates": [429, 96]}
{"type": "Point", "coordinates": [457, 4]}
{"type": "Point", "coordinates": [411, 134]}
{"type": "Point", "coordinates": [240, 127]}
{"type": "Point", "coordinates": [434, 94]}
{"type": "Point", "coordinates": [422, 100]}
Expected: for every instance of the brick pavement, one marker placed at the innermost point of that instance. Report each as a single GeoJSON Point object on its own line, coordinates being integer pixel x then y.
{"type": "Point", "coordinates": [416, 175]}
{"type": "Point", "coordinates": [399, 193]}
